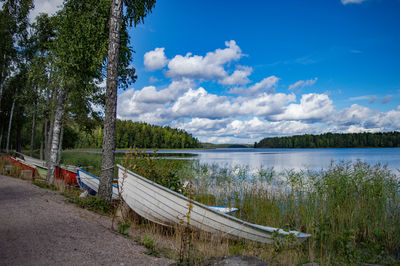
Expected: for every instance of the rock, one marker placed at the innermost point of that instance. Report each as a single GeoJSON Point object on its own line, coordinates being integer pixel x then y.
{"type": "Point", "coordinates": [234, 260]}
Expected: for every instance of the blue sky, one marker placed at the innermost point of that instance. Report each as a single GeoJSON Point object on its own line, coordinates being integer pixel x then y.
{"type": "Point", "coordinates": [235, 71]}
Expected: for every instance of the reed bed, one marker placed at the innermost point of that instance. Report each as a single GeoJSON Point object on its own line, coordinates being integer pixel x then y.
{"type": "Point", "coordinates": [352, 210]}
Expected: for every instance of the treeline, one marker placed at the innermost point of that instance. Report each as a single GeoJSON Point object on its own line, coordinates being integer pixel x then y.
{"type": "Point", "coordinates": [135, 134]}
{"type": "Point", "coordinates": [333, 140]}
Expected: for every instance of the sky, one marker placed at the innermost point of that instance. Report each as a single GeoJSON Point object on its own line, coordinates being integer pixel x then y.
{"type": "Point", "coordinates": [238, 71]}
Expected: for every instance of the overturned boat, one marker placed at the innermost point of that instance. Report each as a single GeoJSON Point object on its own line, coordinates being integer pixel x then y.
{"type": "Point", "coordinates": [90, 183]}
{"type": "Point", "coordinates": [166, 207]}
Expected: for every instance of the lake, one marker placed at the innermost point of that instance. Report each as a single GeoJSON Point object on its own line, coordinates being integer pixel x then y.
{"type": "Point", "coordinates": [297, 159]}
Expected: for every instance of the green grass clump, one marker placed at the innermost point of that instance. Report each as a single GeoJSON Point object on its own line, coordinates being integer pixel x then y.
{"type": "Point", "coordinates": [44, 185]}
{"type": "Point", "coordinates": [91, 203]}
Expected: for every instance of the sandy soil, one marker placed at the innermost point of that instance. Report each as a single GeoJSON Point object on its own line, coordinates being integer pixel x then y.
{"type": "Point", "coordinates": [37, 227]}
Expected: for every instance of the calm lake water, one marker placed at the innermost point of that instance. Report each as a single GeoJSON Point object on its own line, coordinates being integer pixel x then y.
{"type": "Point", "coordinates": [297, 159]}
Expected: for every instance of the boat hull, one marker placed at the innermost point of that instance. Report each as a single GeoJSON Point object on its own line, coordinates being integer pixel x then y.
{"type": "Point", "coordinates": [91, 183]}
{"type": "Point", "coordinates": [68, 176]}
{"type": "Point", "coordinates": [167, 207]}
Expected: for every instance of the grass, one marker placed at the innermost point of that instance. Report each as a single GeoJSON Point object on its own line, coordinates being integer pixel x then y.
{"type": "Point", "coordinates": [90, 203]}
{"type": "Point", "coordinates": [351, 210]}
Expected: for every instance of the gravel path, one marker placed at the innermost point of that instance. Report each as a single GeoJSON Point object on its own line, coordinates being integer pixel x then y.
{"type": "Point", "coordinates": [37, 227]}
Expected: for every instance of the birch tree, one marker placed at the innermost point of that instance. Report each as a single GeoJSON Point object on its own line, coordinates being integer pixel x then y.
{"type": "Point", "coordinates": [136, 11]}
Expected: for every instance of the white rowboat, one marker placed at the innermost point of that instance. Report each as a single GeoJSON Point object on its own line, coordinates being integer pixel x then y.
{"type": "Point", "coordinates": [91, 183]}
{"type": "Point", "coordinates": [33, 161]}
{"type": "Point", "coordinates": [166, 207]}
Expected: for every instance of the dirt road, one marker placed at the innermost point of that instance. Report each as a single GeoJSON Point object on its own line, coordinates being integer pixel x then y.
{"type": "Point", "coordinates": [37, 227]}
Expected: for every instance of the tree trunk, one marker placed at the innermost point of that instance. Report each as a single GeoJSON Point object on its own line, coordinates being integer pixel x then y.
{"type": "Point", "coordinates": [61, 141]}
{"type": "Point", "coordinates": [9, 125]}
{"type": "Point", "coordinates": [1, 138]}
{"type": "Point", "coordinates": [56, 137]}
{"type": "Point", "coordinates": [1, 93]}
{"type": "Point", "coordinates": [107, 163]}
{"type": "Point", "coordinates": [33, 124]}
{"type": "Point", "coordinates": [48, 115]}
{"type": "Point", "coordinates": [33, 131]}
{"type": "Point", "coordinates": [45, 137]}
{"type": "Point", "coordinates": [18, 138]}
{"type": "Point", "coordinates": [49, 140]}
{"type": "Point", "coordinates": [41, 150]}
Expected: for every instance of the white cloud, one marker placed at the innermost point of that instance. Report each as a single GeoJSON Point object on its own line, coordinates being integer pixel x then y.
{"type": "Point", "coordinates": [363, 118]}
{"type": "Point", "coordinates": [303, 83]}
{"type": "Point", "coordinates": [264, 86]}
{"type": "Point", "coordinates": [312, 107]}
{"type": "Point", "coordinates": [239, 77]}
{"type": "Point", "coordinates": [210, 66]}
{"type": "Point", "coordinates": [265, 104]}
{"type": "Point", "coordinates": [199, 103]}
{"type": "Point", "coordinates": [45, 6]}
{"type": "Point", "coordinates": [345, 2]}
{"type": "Point", "coordinates": [155, 59]}
{"type": "Point", "coordinates": [243, 131]}
{"type": "Point", "coordinates": [257, 111]}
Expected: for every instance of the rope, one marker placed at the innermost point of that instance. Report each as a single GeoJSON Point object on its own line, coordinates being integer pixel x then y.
{"type": "Point", "coordinates": [105, 169]}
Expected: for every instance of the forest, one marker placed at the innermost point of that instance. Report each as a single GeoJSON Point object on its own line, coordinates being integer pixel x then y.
{"type": "Point", "coordinates": [333, 140]}
{"type": "Point", "coordinates": [134, 135]}
{"type": "Point", "coordinates": [51, 71]}
{"type": "Point", "coordinates": [52, 75]}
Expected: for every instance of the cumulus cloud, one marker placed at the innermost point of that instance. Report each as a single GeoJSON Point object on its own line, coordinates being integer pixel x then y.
{"type": "Point", "coordinates": [265, 86]}
{"type": "Point", "coordinates": [345, 2]}
{"type": "Point", "coordinates": [302, 83]}
{"type": "Point", "coordinates": [200, 103]}
{"type": "Point", "coordinates": [239, 77]}
{"type": "Point", "coordinates": [210, 66]}
{"type": "Point", "coordinates": [140, 105]}
{"type": "Point", "coordinates": [312, 106]}
{"type": "Point", "coordinates": [45, 6]}
{"type": "Point", "coordinates": [265, 104]}
{"type": "Point", "coordinates": [250, 130]}
{"type": "Point", "coordinates": [155, 59]}
{"type": "Point", "coordinates": [255, 112]}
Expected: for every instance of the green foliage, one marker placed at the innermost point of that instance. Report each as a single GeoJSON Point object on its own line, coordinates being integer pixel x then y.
{"type": "Point", "coordinates": [161, 171]}
{"type": "Point", "coordinates": [122, 227]}
{"type": "Point", "coordinates": [91, 203]}
{"type": "Point", "coordinates": [150, 243]}
{"type": "Point", "coordinates": [333, 140]}
{"type": "Point", "coordinates": [139, 135]}
{"type": "Point", "coordinates": [44, 185]}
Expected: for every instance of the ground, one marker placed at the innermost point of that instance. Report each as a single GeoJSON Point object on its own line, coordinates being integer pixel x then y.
{"type": "Point", "coordinates": [38, 227]}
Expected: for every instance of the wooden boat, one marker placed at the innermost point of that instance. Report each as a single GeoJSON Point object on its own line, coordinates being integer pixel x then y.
{"type": "Point", "coordinates": [22, 165]}
{"type": "Point", "coordinates": [66, 172]}
{"type": "Point", "coordinates": [91, 183]}
{"type": "Point", "coordinates": [68, 175]}
{"type": "Point", "coordinates": [166, 207]}
{"type": "Point", "coordinates": [33, 161]}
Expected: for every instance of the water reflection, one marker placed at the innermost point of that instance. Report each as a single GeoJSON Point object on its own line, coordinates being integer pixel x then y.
{"type": "Point", "coordinates": [285, 159]}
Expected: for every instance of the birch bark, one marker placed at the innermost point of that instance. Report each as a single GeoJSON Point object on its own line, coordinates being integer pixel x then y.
{"type": "Point", "coordinates": [107, 163]}
{"type": "Point", "coordinates": [56, 137]}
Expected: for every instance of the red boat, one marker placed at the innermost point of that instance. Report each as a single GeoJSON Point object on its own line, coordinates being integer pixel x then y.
{"type": "Point", "coordinates": [67, 175]}
{"type": "Point", "coordinates": [22, 165]}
